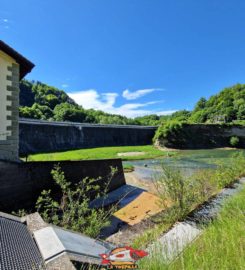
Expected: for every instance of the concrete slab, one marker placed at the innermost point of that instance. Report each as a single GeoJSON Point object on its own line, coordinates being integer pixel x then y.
{"type": "Point", "coordinates": [81, 244]}
{"type": "Point", "coordinates": [173, 242]}
{"type": "Point", "coordinates": [54, 241]}
{"type": "Point", "coordinates": [48, 242]}
{"type": "Point", "coordinates": [124, 195]}
{"type": "Point", "coordinates": [142, 207]}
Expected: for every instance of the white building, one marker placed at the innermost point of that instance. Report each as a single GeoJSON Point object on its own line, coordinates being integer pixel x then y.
{"type": "Point", "coordinates": [13, 67]}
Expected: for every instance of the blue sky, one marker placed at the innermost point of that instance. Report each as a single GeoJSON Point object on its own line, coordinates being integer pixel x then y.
{"type": "Point", "coordinates": [132, 57]}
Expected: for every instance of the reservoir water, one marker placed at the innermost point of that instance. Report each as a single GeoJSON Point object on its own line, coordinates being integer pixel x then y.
{"type": "Point", "coordinates": [187, 161]}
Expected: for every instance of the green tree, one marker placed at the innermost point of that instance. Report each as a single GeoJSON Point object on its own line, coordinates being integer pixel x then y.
{"type": "Point", "coordinates": [201, 104]}
{"type": "Point", "coordinates": [69, 112]}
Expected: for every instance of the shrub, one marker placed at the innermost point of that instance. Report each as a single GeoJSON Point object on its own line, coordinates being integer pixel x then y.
{"type": "Point", "coordinates": [179, 191]}
{"type": "Point", "coordinates": [234, 141]}
{"type": "Point", "coordinates": [226, 174]}
{"type": "Point", "coordinates": [185, 193]}
{"type": "Point", "coordinates": [72, 211]}
{"type": "Point", "coordinates": [167, 129]}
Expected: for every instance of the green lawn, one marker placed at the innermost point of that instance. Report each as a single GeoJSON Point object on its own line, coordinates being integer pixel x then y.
{"type": "Point", "coordinates": [101, 153]}
{"type": "Point", "coordinates": [221, 246]}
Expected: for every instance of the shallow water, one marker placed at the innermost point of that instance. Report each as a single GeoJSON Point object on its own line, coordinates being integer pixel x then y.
{"type": "Point", "coordinates": [187, 161]}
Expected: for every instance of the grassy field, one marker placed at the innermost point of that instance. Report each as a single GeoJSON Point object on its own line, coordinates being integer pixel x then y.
{"type": "Point", "coordinates": [221, 246]}
{"type": "Point", "coordinates": [146, 152]}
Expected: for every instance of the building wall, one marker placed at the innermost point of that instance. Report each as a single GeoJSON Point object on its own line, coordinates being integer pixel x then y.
{"type": "Point", "coordinates": [9, 115]}
{"type": "Point", "coordinates": [43, 136]}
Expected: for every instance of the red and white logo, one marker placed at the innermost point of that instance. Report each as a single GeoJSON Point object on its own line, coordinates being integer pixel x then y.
{"type": "Point", "coordinates": [123, 256]}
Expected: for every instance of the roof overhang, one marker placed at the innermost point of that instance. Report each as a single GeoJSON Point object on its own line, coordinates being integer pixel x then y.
{"type": "Point", "coordinates": [25, 65]}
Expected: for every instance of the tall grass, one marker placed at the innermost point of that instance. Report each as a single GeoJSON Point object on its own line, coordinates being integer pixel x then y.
{"type": "Point", "coordinates": [186, 193]}
{"type": "Point", "coordinates": [221, 246]}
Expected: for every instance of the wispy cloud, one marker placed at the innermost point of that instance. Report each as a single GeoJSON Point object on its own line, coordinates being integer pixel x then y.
{"type": "Point", "coordinates": [91, 99]}
{"type": "Point", "coordinates": [139, 93]}
{"type": "Point", "coordinates": [5, 23]}
{"type": "Point", "coordinates": [64, 85]}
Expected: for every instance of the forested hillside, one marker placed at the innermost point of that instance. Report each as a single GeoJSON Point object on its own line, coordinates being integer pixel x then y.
{"type": "Point", "coordinates": [40, 101]}
{"type": "Point", "coordinates": [228, 106]}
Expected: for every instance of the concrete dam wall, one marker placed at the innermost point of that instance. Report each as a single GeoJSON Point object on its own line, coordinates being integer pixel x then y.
{"type": "Point", "coordinates": [203, 136]}
{"type": "Point", "coordinates": [38, 136]}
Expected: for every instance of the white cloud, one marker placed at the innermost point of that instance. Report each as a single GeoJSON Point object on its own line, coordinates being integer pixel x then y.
{"type": "Point", "coordinates": [64, 85]}
{"type": "Point", "coordinates": [139, 93]}
{"type": "Point", "coordinates": [5, 23]}
{"type": "Point", "coordinates": [91, 99]}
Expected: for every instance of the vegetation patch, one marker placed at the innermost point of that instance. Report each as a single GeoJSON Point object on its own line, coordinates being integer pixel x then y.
{"type": "Point", "coordinates": [187, 193]}
{"type": "Point", "coordinates": [101, 153]}
{"type": "Point", "coordinates": [170, 129]}
{"type": "Point", "coordinates": [221, 246]}
{"type": "Point", "coordinates": [72, 210]}
{"type": "Point", "coordinates": [184, 135]}
{"type": "Point", "coordinates": [234, 141]}
{"type": "Point", "coordinates": [128, 168]}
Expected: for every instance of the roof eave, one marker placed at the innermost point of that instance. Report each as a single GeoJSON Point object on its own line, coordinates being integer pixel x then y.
{"type": "Point", "coordinates": [25, 65]}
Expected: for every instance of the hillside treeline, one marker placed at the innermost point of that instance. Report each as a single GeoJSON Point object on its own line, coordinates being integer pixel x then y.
{"type": "Point", "coordinates": [41, 101]}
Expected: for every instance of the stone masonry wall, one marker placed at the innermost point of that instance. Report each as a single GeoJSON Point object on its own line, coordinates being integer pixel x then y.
{"type": "Point", "coordinates": [10, 144]}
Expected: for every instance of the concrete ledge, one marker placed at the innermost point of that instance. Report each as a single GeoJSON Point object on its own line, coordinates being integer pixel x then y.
{"type": "Point", "coordinates": [54, 241]}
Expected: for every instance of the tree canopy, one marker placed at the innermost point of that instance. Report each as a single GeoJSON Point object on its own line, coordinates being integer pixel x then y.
{"type": "Point", "coordinates": [41, 101]}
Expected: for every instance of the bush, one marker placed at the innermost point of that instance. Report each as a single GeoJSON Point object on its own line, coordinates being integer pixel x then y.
{"type": "Point", "coordinates": [72, 211]}
{"type": "Point", "coordinates": [234, 141]}
{"type": "Point", "coordinates": [185, 193]}
{"type": "Point", "coordinates": [226, 174]}
{"type": "Point", "coordinates": [177, 190]}
{"type": "Point", "coordinates": [168, 129]}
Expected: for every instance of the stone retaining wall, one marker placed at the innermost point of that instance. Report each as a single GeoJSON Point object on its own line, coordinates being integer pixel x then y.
{"type": "Point", "coordinates": [22, 183]}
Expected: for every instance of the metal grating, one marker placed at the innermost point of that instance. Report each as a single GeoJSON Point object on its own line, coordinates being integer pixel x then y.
{"type": "Point", "coordinates": [18, 251]}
